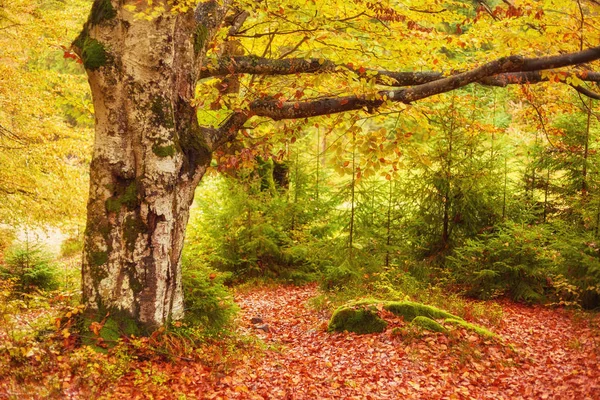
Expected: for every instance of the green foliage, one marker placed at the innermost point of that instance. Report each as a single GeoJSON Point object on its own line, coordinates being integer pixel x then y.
{"type": "Point", "coordinates": [512, 261]}
{"type": "Point", "coordinates": [207, 301]}
{"type": "Point", "coordinates": [31, 267]}
{"type": "Point", "coordinates": [358, 318]}
{"type": "Point", "coordinates": [339, 277]}
{"type": "Point", "coordinates": [241, 229]}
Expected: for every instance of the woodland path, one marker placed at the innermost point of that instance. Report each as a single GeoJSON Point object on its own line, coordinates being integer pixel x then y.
{"type": "Point", "coordinates": [555, 356]}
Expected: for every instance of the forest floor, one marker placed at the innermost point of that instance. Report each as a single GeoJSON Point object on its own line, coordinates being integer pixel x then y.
{"type": "Point", "coordinates": [541, 353]}
{"type": "Point", "coordinates": [546, 353]}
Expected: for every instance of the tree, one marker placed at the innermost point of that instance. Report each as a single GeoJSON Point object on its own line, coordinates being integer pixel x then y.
{"type": "Point", "coordinates": [144, 63]}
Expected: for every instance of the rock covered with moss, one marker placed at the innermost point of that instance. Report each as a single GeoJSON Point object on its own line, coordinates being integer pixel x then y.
{"type": "Point", "coordinates": [470, 327]}
{"type": "Point", "coordinates": [357, 318]}
{"type": "Point", "coordinates": [410, 310]}
{"type": "Point", "coordinates": [428, 324]}
{"type": "Point", "coordinates": [362, 317]}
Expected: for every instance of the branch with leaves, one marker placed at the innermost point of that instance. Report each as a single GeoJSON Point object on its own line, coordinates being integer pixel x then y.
{"type": "Point", "coordinates": [416, 85]}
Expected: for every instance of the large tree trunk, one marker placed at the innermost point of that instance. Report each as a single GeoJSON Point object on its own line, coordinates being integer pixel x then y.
{"type": "Point", "coordinates": [149, 155]}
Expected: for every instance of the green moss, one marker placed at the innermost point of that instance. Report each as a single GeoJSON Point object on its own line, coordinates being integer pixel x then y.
{"type": "Point", "coordinates": [163, 112]}
{"type": "Point", "coordinates": [410, 310]}
{"type": "Point", "coordinates": [93, 54]}
{"type": "Point", "coordinates": [164, 151]}
{"type": "Point", "coordinates": [113, 205]}
{"type": "Point", "coordinates": [357, 319]}
{"type": "Point", "coordinates": [471, 327]}
{"type": "Point", "coordinates": [200, 36]}
{"type": "Point", "coordinates": [428, 323]}
{"type": "Point", "coordinates": [134, 283]}
{"type": "Point", "coordinates": [98, 258]}
{"type": "Point", "coordinates": [195, 147]}
{"type": "Point", "coordinates": [127, 197]}
{"type": "Point", "coordinates": [80, 39]}
{"type": "Point", "coordinates": [132, 228]}
{"type": "Point", "coordinates": [102, 10]}
{"type": "Point", "coordinates": [117, 326]}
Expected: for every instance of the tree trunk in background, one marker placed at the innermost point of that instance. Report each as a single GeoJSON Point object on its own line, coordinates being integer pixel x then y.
{"type": "Point", "coordinates": [149, 156]}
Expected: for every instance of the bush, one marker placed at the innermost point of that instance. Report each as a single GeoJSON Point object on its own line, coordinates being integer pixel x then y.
{"type": "Point", "coordinates": [31, 267]}
{"type": "Point", "coordinates": [515, 261]}
{"type": "Point", "coordinates": [577, 255]}
{"type": "Point", "coordinates": [243, 230]}
{"type": "Point", "coordinates": [207, 301]}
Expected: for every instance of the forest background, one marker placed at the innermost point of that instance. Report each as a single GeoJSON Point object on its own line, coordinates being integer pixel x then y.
{"type": "Point", "coordinates": [485, 192]}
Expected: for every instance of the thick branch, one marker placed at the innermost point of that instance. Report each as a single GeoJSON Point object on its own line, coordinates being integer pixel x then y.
{"type": "Point", "coordinates": [529, 73]}
{"type": "Point", "coordinates": [291, 110]}
{"type": "Point", "coordinates": [587, 92]}
{"type": "Point", "coordinates": [503, 80]}
{"type": "Point", "coordinates": [506, 70]}
{"type": "Point", "coordinates": [266, 66]}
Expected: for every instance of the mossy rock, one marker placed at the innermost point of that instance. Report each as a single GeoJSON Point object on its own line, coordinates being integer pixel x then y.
{"type": "Point", "coordinates": [410, 310]}
{"type": "Point", "coordinates": [428, 324]}
{"type": "Point", "coordinates": [359, 319]}
{"type": "Point", "coordinates": [471, 327]}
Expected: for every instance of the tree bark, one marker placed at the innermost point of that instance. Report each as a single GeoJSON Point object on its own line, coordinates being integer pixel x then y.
{"type": "Point", "coordinates": [149, 156]}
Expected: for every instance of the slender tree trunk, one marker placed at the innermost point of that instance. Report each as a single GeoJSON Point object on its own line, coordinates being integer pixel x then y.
{"type": "Point", "coordinates": [318, 162]}
{"type": "Point", "coordinates": [584, 185]}
{"type": "Point", "coordinates": [149, 156]}
{"type": "Point", "coordinates": [504, 189]}
{"type": "Point", "coordinates": [448, 191]}
{"type": "Point", "coordinates": [352, 201]}
{"type": "Point", "coordinates": [388, 226]}
{"type": "Point", "coordinates": [546, 192]}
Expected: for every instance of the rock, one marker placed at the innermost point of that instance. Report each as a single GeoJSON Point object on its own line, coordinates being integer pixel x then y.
{"type": "Point", "coordinates": [256, 320]}
{"type": "Point", "coordinates": [263, 327]}
{"type": "Point", "coordinates": [428, 324]}
{"type": "Point", "coordinates": [359, 319]}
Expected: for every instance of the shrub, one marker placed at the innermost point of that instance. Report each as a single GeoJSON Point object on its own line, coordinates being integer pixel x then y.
{"type": "Point", "coordinates": [32, 268]}
{"type": "Point", "coordinates": [207, 301]}
{"type": "Point", "coordinates": [513, 261]}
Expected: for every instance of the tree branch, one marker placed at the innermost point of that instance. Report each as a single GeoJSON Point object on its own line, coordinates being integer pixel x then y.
{"type": "Point", "coordinates": [290, 110]}
{"type": "Point", "coordinates": [503, 71]}
{"type": "Point", "coordinates": [266, 66]}
{"type": "Point", "coordinates": [529, 72]}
